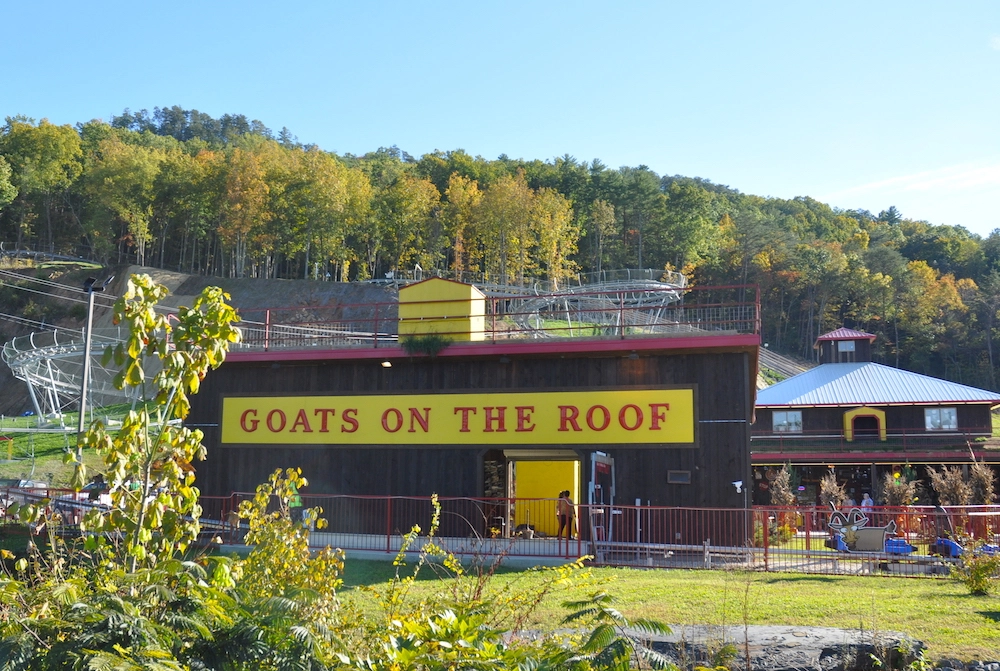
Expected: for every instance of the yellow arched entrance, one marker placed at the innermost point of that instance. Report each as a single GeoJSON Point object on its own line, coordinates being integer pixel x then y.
{"type": "Point", "coordinates": [863, 411]}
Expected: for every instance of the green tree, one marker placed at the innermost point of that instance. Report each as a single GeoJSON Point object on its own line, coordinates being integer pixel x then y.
{"type": "Point", "coordinates": [987, 300]}
{"type": "Point", "coordinates": [688, 233]}
{"type": "Point", "coordinates": [460, 213]}
{"type": "Point", "coordinates": [7, 190]}
{"type": "Point", "coordinates": [45, 160]}
{"type": "Point", "coordinates": [642, 210]}
{"type": "Point", "coordinates": [503, 235]}
{"type": "Point", "coordinates": [129, 599]}
{"type": "Point", "coordinates": [557, 235]}
{"type": "Point", "coordinates": [245, 207]}
{"type": "Point", "coordinates": [600, 226]}
{"type": "Point", "coordinates": [120, 182]}
{"type": "Point", "coordinates": [406, 210]}
{"type": "Point", "coordinates": [187, 200]}
{"type": "Point", "coordinates": [149, 463]}
{"type": "Point", "coordinates": [311, 207]}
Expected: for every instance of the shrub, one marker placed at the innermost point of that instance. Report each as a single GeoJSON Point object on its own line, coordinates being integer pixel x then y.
{"type": "Point", "coordinates": [831, 493]}
{"type": "Point", "coordinates": [950, 486]}
{"type": "Point", "coordinates": [898, 491]}
{"type": "Point", "coordinates": [781, 488]}
{"type": "Point", "coordinates": [430, 344]}
{"type": "Point", "coordinates": [978, 570]}
{"type": "Point", "coordinates": [982, 481]}
{"type": "Point", "coordinates": [778, 532]}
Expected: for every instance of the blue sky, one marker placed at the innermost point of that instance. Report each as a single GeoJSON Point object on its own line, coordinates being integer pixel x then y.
{"type": "Point", "coordinates": [858, 104]}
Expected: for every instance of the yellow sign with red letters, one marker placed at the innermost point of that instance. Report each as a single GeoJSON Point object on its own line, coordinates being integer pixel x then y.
{"type": "Point", "coordinates": [636, 416]}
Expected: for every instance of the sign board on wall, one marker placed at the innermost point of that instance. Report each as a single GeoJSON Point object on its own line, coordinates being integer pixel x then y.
{"type": "Point", "coordinates": [633, 417]}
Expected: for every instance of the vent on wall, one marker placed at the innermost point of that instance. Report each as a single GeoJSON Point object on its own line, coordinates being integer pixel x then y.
{"type": "Point", "coordinates": [678, 477]}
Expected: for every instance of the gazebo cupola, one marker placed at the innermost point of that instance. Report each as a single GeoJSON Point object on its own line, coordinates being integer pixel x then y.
{"type": "Point", "coordinates": [845, 346]}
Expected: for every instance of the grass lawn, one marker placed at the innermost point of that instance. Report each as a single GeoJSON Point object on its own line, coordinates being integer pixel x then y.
{"type": "Point", "coordinates": [939, 612]}
{"type": "Point", "coordinates": [39, 456]}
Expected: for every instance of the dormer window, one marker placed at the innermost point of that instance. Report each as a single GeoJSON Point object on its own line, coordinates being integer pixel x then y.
{"type": "Point", "coordinates": [787, 421]}
{"type": "Point", "coordinates": [941, 419]}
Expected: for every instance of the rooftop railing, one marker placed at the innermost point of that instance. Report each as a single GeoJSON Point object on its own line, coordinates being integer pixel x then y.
{"type": "Point", "coordinates": [627, 312]}
{"type": "Point", "coordinates": [896, 439]}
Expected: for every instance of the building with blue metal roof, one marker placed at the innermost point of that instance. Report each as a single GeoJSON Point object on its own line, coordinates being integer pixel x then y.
{"type": "Point", "coordinates": [863, 418]}
{"type": "Point", "coordinates": [868, 383]}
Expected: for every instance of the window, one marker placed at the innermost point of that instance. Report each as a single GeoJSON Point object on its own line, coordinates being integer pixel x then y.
{"type": "Point", "coordinates": [845, 345]}
{"type": "Point", "coordinates": [678, 477]}
{"type": "Point", "coordinates": [787, 421]}
{"type": "Point", "coordinates": [941, 419]}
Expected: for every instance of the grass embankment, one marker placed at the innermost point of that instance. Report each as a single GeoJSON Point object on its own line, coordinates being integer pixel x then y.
{"type": "Point", "coordinates": [39, 456]}
{"type": "Point", "coordinates": [939, 612]}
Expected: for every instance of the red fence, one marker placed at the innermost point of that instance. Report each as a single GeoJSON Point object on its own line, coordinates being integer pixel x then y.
{"type": "Point", "coordinates": [899, 439]}
{"type": "Point", "coordinates": [916, 540]}
{"type": "Point", "coordinates": [913, 540]}
{"type": "Point", "coordinates": [581, 312]}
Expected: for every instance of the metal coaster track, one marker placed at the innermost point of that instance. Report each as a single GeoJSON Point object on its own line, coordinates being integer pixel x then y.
{"type": "Point", "coordinates": [51, 363]}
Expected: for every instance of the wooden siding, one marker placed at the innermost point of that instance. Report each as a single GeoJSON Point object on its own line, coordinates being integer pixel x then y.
{"type": "Point", "coordinates": [829, 352]}
{"type": "Point", "coordinates": [971, 418]}
{"type": "Point", "coordinates": [723, 408]}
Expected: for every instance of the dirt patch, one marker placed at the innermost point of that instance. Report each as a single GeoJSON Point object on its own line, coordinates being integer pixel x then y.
{"type": "Point", "coordinates": [291, 301]}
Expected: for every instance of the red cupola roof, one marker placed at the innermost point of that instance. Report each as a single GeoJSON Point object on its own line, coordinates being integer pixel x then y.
{"type": "Point", "coordinates": [846, 334]}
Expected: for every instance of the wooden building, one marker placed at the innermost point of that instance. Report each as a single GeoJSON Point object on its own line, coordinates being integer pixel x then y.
{"type": "Point", "coordinates": [865, 419]}
{"type": "Point", "coordinates": [630, 410]}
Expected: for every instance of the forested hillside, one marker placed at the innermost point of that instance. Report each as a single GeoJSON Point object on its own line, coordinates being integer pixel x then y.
{"type": "Point", "coordinates": [181, 190]}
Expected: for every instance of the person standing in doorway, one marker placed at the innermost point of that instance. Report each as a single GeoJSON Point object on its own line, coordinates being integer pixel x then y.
{"type": "Point", "coordinates": [565, 511]}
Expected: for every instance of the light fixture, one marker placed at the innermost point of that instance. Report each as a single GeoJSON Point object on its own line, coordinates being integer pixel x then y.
{"type": "Point", "coordinates": [633, 355]}
{"type": "Point", "coordinates": [387, 364]}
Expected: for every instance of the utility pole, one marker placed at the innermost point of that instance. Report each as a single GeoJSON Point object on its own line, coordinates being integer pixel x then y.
{"type": "Point", "coordinates": [89, 287]}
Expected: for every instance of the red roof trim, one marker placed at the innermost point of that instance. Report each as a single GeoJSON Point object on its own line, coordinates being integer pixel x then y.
{"type": "Point", "coordinates": [443, 279]}
{"type": "Point", "coordinates": [879, 404]}
{"type": "Point", "coordinates": [846, 334]}
{"type": "Point", "coordinates": [530, 348]}
{"type": "Point", "coordinates": [866, 457]}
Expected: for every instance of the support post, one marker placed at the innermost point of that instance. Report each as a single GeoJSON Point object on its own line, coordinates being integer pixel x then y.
{"type": "Point", "coordinates": [89, 287]}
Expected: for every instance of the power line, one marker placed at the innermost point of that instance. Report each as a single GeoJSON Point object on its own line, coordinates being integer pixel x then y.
{"type": "Point", "coordinates": [27, 278]}
{"type": "Point", "coordinates": [64, 287]}
{"type": "Point", "coordinates": [24, 321]}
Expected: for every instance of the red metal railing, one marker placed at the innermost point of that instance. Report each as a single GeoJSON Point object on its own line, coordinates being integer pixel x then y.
{"type": "Point", "coordinates": [897, 440]}
{"type": "Point", "coordinates": [620, 313]}
{"type": "Point", "coordinates": [911, 540]}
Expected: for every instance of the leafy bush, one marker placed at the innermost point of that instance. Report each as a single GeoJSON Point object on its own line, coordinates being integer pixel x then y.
{"type": "Point", "coordinates": [978, 570]}
{"type": "Point", "coordinates": [778, 531]}
{"type": "Point", "coordinates": [430, 344]}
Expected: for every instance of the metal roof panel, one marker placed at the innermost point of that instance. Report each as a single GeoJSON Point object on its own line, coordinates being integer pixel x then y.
{"type": "Point", "coordinates": [846, 334]}
{"type": "Point", "coordinates": [868, 383]}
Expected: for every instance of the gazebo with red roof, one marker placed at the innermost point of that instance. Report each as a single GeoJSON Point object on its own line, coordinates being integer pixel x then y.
{"type": "Point", "coordinates": [844, 346]}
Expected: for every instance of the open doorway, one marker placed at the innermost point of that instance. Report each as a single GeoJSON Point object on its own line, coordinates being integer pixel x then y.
{"type": "Point", "coordinates": [534, 481]}
{"type": "Point", "coordinates": [866, 428]}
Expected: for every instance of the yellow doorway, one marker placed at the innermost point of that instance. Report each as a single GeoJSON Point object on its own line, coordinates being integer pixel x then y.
{"type": "Point", "coordinates": [537, 480]}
